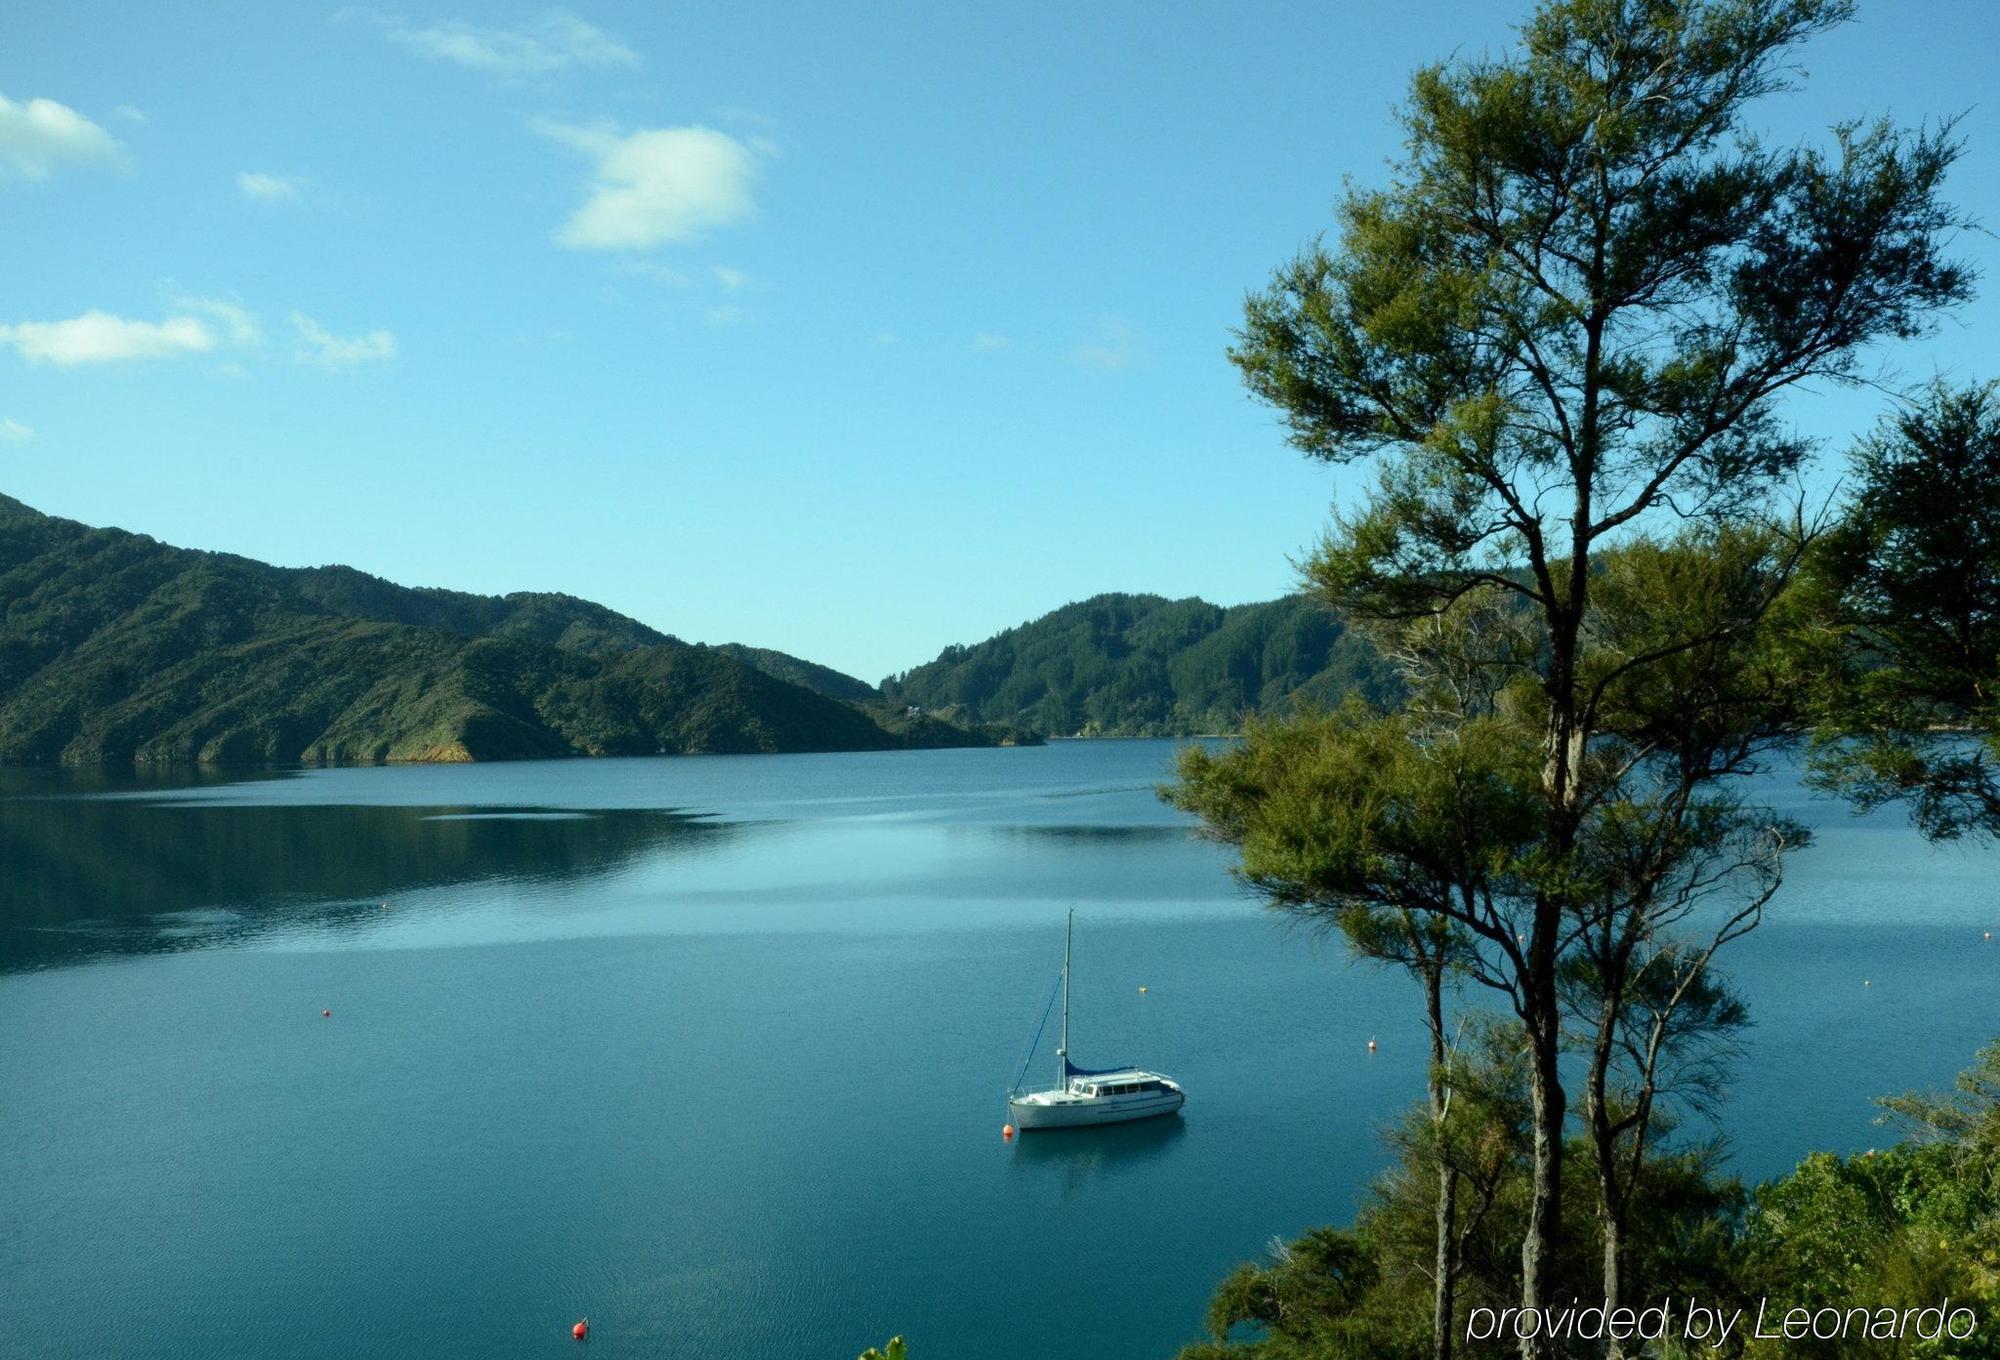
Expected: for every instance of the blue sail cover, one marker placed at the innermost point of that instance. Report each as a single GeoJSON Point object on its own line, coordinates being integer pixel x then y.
{"type": "Point", "coordinates": [1070, 1069]}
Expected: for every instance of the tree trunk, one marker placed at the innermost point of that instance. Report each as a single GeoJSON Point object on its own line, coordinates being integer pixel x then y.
{"type": "Point", "coordinates": [1445, 1264]}
{"type": "Point", "coordinates": [1604, 1144]}
{"type": "Point", "coordinates": [1614, 1274]}
{"type": "Point", "coordinates": [1543, 1237]}
{"type": "Point", "coordinates": [1444, 1322]}
{"type": "Point", "coordinates": [1541, 1006]}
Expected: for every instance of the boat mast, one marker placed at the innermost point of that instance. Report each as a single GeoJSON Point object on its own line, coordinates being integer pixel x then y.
{"type": "Point", "coordinates": [1062, 1053]}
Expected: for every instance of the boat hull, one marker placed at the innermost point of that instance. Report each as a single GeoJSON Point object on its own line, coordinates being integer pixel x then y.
{"type": "Point", "coordinates": [1088, 1112]}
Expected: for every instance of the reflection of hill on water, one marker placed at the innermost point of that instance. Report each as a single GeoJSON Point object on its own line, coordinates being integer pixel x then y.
{"type": "Point", "coordinates": [1112, 833]}
{"type": "Point", "coordinates": [80, 877]}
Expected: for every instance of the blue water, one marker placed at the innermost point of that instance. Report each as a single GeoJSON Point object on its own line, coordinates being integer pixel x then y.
{"type": "Point", "coordinates": [713, 1051]}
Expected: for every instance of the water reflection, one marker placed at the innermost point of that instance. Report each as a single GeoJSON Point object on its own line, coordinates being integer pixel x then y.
{"type": "Point", "coordinates": [1108, 835]}
{"type": "Point", "coordinates": [89, 876]}
{"type": "Point", "coordinates": [1076, 1157]}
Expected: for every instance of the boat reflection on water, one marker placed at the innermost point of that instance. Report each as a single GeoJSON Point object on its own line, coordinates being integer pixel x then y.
{"type": "Point", "coordinates": [1085, 1154]}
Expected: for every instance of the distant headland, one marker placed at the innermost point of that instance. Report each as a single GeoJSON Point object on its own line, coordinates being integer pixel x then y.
{"type": "Point", "coordinates": [119, 649]}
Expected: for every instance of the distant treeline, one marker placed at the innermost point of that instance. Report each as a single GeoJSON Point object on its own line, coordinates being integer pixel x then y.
{"type": "Point", "coordinates": [1142, 665]}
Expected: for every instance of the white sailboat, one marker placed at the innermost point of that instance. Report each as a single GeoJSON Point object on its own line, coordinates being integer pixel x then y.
{"type": "Point", "coordinates": [1084, 1096]}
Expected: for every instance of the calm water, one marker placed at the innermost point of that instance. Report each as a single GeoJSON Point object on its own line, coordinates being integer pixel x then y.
{"type": "Point", "coordinates": [714, 1051]}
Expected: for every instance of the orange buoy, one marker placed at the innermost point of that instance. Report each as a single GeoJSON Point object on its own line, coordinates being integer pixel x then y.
{"type": "Point", "coordinates": [326, 1015]}
{"type": "Point", "coordinates": [581, 1330]}
{"type": "Point", "coordinates": [1007, 1133]}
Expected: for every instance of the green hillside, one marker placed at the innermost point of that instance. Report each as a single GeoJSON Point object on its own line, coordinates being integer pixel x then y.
{"type": "Point", "coordinates": [1141, 665]}
{"type": "Point", "coordinates": [817, 678]}
{"type": "Point", "coordinates": [117, 648]}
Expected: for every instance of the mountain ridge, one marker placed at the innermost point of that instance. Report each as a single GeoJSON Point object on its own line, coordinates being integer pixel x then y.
{"type": "Point", "coordinates": [115, 647]}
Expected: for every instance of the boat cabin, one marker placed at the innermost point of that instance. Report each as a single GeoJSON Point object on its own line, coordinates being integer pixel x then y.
{"type": "Point", "coordinates": [1129, 1083]}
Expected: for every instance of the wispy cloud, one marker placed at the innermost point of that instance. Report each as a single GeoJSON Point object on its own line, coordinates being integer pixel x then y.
{"type": "Point", "coordinates": [194, 325]}
{"type": "Point", "coordinates": [268, 188]}
{"type": "Point", "coordinates": [101, 337]}
{"type": "Point", "coordinates": [320, 346]}
{"type": "Point", "coordinates": [13, 431]}
{"type": "Point", "coordinates": [986, 342]}
{"type": "Point", "coordinates": [654, 270]}
{"type": "Point", "coordinates": [129, 113]}
{"type": "Point", "coordinates": [40, 136]}
{"type": "Point", "coordinates": [730, 279]}
{"type": "Point", "coordinates": [556, 41]}
{"type": "Point", "coordinates": [1112, 343]}
{"type": "Point", "coordinates": [656, 185]}
{"type": "Point", "coordinates": [723, 316]}
{"type": "Point", "coordinates": [235, 322]}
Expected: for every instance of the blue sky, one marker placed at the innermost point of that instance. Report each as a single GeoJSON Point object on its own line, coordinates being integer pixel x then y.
{"type": "Point", "coordinates": [853, 330]}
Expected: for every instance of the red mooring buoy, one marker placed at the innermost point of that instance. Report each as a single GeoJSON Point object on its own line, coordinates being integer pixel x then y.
{"type": "Point", "coordinates": [581, 1330]}
{"type": "Point", "coordinates": [1007, 1132]}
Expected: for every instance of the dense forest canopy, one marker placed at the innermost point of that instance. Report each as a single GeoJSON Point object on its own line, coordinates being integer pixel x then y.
{"type": "Point", "coordinates": [1142, 665]}
{"type": "Point", "coordinates": [117, 648]}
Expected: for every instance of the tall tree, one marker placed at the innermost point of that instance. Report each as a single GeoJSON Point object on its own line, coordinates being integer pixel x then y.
{"type": "Point", "coordinates": [1909, 580]}
{"type": "Point", "coordinates": [1670, 866]}
{"type": "Point", "coordinates": [1574, 311]}
{"type": "Point", "coordinates": [1406, 845]}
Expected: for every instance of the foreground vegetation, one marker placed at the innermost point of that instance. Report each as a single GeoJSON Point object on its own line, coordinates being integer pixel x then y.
{"type": "Point", "coordinates": [1899, 1229]}
{"type": "Point", "coordinates": [1562, 337]}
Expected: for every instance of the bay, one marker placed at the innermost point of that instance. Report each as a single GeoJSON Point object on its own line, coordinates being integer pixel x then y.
{"type": "Point", "coordinates": [714, 1051]}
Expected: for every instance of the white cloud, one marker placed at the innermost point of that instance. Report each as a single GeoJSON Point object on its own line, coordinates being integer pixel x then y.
{"type": "Point", "coordinates": [320, 346]}
{"type": "Point", "coordinates": [40, 135]}
{"type": "Point", "coordinates": [723, 316]}
{"type": "Point", "coordinates": [13, 431]}
{"type": "Point", "coordinates": [100, 337]}
{"type": "Point", "coordinates": [656, 185]}
{"type": "Point", "coordinates": [986, 342]}
{"type": "Point", "coordinates": [237, 325]}
{"type": "Point", "coordinates": [731, 279]}
{"type": "Point", "coordinates": [129, 113]}
{"type": "Point", "coordinates": [267, 188]}
{"type": "Point", "coordinates": [557, 41]}
{"type": "Point", "coordinates": [658, 273]}
{"type": "Point", "coordinates": [759, 131]}
{"type": "Point", "coordinates": [1113, 343]}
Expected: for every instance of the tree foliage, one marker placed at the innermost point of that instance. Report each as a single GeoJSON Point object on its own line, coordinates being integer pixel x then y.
{"type": "Point", "coordinates": [1909, 585]}
{"type": "Point", "coordinates": [1563, 333]}
{"type": "Point", "coordinates": [1900, 1228]}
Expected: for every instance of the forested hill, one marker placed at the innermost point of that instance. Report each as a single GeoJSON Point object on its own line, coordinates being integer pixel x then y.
{"type": "Point", "coordinates": [115, 647]}
{"type": "Point", "coordinates": [1142, 665]}
{"type": "Point", "coordinates": [815, 677]}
